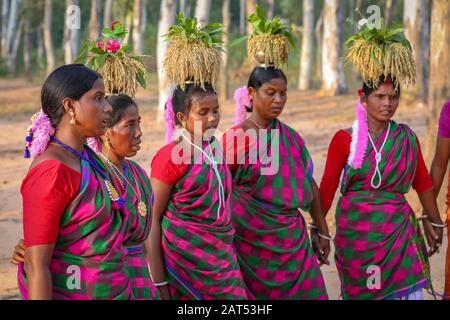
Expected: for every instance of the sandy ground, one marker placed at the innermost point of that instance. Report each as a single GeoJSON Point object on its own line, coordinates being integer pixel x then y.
{"type": "Point", "coordinates": [316, 118]}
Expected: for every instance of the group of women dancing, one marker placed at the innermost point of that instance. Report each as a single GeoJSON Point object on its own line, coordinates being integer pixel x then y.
{"type": "Point", "coordinates": [216, 225]}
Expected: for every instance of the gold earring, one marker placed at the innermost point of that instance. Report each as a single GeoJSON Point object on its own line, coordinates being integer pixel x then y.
{"type": "Point", "coordinates": [183, 124]}
{"type": "Point", "coordinates": [107, 144]}
{"type": "Point", "coordinates": [72, 120]}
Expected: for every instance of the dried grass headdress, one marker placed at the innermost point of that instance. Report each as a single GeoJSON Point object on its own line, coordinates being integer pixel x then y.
{"type": "Point", "coordinates": [268, 45]}
{"type": "Point", "coordinates": [121, 72]}
{"type": "Point", "coordinates": [194, 52]}
{"type": "Point", "coordinates": [382, 51]}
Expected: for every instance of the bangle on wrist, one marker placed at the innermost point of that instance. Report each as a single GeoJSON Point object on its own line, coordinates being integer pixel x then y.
{"type": "Point", "coordinates": [325, 237]}
{"type": "Point", "coordinates": [160, 284]}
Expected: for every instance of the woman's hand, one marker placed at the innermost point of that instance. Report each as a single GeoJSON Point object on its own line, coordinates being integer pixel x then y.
{"type": "Point", "coordinates": [321, 246]}
{"type": "Point", "coordinates": [164, 292]}
{"type": "Point", "coordinates": [433, 236]}
{"type": "Point", "coordinates": [18, 255]}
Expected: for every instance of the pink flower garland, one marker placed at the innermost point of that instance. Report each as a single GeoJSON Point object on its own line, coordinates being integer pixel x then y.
{"type": "Point", "coordinates": [39, 134]}
{"type": "Point", "coordinates": [169, 116]}
{"type": "Point", "coordinates": [360, 133]}
{"type": "Point", "coordinates": [242, 100]}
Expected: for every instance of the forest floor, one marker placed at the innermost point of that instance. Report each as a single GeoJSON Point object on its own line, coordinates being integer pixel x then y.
{"type": "Point", "coordinates": [317, 118]}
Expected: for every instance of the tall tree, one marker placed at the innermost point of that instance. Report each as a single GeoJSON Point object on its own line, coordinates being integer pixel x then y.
{"type": "Point", "coordinates": [13, 35]}
{"type": "Point", "coordinates": [333, 78]}
{"type": "Point", "coordinates": [138, 43]}
{"type": "Point", "coordinates": [27, 34]}
{"type": "Point", "coordinates": [242, 15]}
{"type": "Point", "coordinates": [226, 28]}
{"type": "Point", "coordinates": [166, 19]}
{"type": "Point", "coordinates": [107, 13]}
{"type": "Point", "coordinates": [388, 11]}
{"type": "Point", "coordinates": [4, 27]}
{"type": "Point", "coordinates": [202, 10]}
{"type": "Point", "coordinates": [306, 57]}
{"type": "Point", "coordinates": [416, 22]}
{"type": "Point", "coordinates": [47, 30]}
{"type": "Point", "coordinates": [439, 89]}
{"type": "Point", "coordinates": [71, 31]}
{"type": "Point", "coordinates": [318, 30]}
{"type": "Point", "coordinates": [94, 25]}
{"type": "Point", "coordinates": [271, 10]}
{"type": "Point", "coordinates": [250, 9]}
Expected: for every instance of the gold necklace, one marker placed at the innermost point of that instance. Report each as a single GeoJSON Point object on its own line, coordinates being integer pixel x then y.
{"type": "Point", "coordinates": [142, 207]}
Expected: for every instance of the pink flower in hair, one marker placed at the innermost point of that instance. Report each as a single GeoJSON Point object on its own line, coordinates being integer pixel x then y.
{"type": "Point", "coordinates": [169, 116]}
{"type": "Point", "coordinates": [242, 100]}
{"type": "Point", "coordinates": [360, 132]}
{"type": "Point", "coordinates": [94, 144]}
{"type": "Point", "coordinates": [41, 130]}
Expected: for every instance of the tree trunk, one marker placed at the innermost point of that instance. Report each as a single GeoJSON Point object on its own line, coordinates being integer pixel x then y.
{"type": "Point", "coordinates": [388, 11]}
{"type": "Point", "coordinates": [107, 14]}
{"type": "Point", "coordinates": [128, 26]}
{"type": "Point", "coordinates": [416, 20]}
{"type": "Point", "coordinates": [166, 19]}
{"type": "Point", "coordinates": [250, 9]}
{"type": "Point", "coordinates": [12, 26]}
{"type": "Point", "coordinates": [307, 61]}
{"type": "Point", "coordinates": [182, 7]}
{"type": "Point", "coordinates": [226, 28]}
{"type": "Point", "coordinates": [202, 10]}
{"type": "Point", "coordinates": [27, 44]}
{"type": "Point", "coordinates": [333, 79]}
{"type": "Point", "coordinates": [40, 48]}
{"type": "Point", "coordinates": [5, 10]}
{"type": "Point", "coordinates": [138, 45]}
{"type": "Point", "coordinates": [318, 30]}
{"type": "Point", "coordinates": [94, 20]}
{"type": "Point", "coordinates": [144, 20]}
{"type": "Point", "coordinates": [439, 90]}
{"type": "Point", "coordinates": [242, 15]}
{"type": "Point", "coordinates": [271, 11]}
{"type": "Point", "coordinates": [12, 56]}
{"type": "Point", "coordinates": [47, 30]}
{"type": "Point", "coordinates": [71, 33]}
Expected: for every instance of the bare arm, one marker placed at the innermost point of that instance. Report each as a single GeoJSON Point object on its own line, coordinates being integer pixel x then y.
{"type": "Point", "coordinates": [433, 234]}
{"type": "Point", "coordinates": [37, 268]}
{"type": "Point", "coordinates": [320, 245]}
{"type": "Point", "coordinates": [440, 163]}
{"type": "Point", "coordinates": [161, 193]}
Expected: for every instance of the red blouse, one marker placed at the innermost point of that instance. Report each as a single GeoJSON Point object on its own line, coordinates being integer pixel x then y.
{"type": "Point", "coordinates": [338, 153]}
{"type": "Point", "coordinates": [46, 191]}
{"type": "Point", "coordinates": [163, 167]}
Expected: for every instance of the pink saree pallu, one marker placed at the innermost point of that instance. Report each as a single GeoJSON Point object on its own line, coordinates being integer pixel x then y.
{"type": "Point", "coordinates": [138, 226]}
{"type": "Point", "coordinates": [380, 253]}
{"type": "Point", "coordinates": [272, 242]}
{"type": "Point", "coordinates": [89, 259]}
{"type": "Point", "coordinates": [197, 237]}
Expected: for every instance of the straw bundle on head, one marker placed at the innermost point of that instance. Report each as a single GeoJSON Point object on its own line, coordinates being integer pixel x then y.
{"type": "Point", "coordinates": [120, 71]}
{"type": "Point", "coordinates": [193, 61]}
{"type": "Point", "coordinates": [268, 49]}
{"type": "Point", "coordinates": [269, 42]}
{"type": "Point", "coordinates": [193, 53]}
{"type": "Point", "coordinates": [120, 74]}
{"type": "Point", "coordinates": [377, 52]}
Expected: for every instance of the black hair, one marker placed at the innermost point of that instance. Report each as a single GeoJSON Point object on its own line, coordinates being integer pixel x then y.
{"type": "Point", "coordinates": [262, 75]}
{"type": "Point", "coordinates": [69, 81]}
{"type": "Point", "coordinates": [367, 89]}
{"type": "Point", "coordinates": [119, 103]}
{"type": "Point", "coordinates": [182, 99]}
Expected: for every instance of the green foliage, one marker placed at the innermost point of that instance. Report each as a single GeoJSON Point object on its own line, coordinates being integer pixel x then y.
{"type": "Point", "coordinates": [263, 26]}
{"type": "Point", "coordinates": [189, 30]}
{"type": "Point", "coordinates": [382, 38]}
